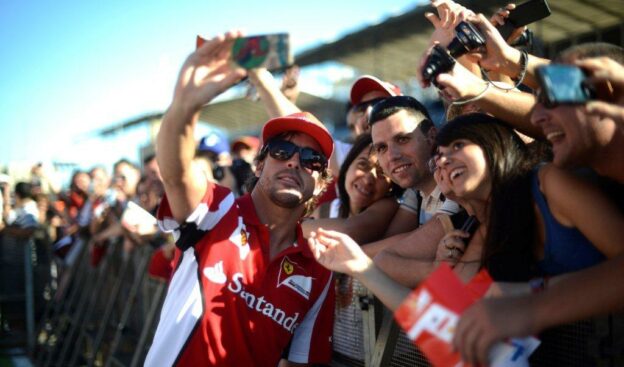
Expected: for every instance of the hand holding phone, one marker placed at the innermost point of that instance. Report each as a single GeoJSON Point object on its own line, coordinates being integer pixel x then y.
{"type": "Point", "coordinates": [524, 14]}
{"type": "Point", "coordinates": [470, 226]}
{"type": "Point", "coordinates": [563, 84]}
{"type": "Point", "coordinates": [270, 51]}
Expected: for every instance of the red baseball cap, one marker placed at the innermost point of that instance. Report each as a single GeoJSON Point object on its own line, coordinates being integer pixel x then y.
{"type": "Point", "coordinates": [369, 83]}
{"type": "Point", "coordinates": [303, 122]}
{"type": "Point", "coordinates": [249, 141]}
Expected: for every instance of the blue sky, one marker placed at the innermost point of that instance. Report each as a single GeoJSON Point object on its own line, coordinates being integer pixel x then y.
{"type": "Point", "coordinates": [69, 68]}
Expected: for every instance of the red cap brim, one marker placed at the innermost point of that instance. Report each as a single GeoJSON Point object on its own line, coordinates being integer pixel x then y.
{"type": "Point", "coordinates": [369, 83]}
{"type": "Point", "coordinates": [300, 122]}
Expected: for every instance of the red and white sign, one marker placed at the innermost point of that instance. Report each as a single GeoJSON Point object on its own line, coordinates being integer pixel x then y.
{"type": "Point", "coordinates": [429, 316]}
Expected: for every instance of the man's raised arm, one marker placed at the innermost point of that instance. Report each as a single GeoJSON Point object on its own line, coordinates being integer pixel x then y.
{"type": "Point", "coordinates": [205, 74]}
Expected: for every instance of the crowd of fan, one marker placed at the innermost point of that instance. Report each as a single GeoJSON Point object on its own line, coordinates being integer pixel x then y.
{"type": "Point", "coordinates": [543, 181]}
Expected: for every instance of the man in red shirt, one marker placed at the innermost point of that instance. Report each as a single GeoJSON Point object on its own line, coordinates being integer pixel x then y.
{"type": "Point", "coordinates": [246, 290]}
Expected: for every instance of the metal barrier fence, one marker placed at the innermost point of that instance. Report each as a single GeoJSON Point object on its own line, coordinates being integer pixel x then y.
{"type": "Point", "coordinates": [17, 301]}
{"type": "Point", "coordinates": [106, 316]}
{"type": "Point", "coordinates": [103, 315]}
{"type": "Point", "coordinates": [595, 342]}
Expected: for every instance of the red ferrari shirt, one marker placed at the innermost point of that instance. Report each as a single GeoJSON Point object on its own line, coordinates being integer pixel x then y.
{"type": "Point", "coordinates": [228, 304]}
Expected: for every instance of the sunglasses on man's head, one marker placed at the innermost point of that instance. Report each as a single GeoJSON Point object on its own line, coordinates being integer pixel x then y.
{"type": "Point", "coordinates": [363, 106]}
{"type": "Point", "coordinates": [283, 150]}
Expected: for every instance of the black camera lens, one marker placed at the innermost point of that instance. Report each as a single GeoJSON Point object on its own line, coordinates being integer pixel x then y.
{"type": "Point", "coordinates": [439, 61]}
{"type": "Point", "coordinates": [468, 38]}
{"type": "Point", "coordinates": [218, 173]}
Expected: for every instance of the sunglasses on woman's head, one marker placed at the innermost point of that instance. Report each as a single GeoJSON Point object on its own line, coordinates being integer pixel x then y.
{"type": "Point", "coordinates": [283, 150]}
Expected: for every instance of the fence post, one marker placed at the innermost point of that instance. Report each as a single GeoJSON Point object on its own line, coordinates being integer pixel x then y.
{"type": "Point", "coordinates": [29, 295]}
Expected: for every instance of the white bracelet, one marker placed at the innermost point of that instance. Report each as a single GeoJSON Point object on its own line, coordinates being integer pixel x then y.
{"type": "Point", "coordinates": [524, 64]}
{"type": "Point", "coordinates": [475, 98]}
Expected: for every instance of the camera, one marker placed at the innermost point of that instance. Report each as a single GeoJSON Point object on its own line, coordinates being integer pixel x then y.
{"type": "Point", "coordinates": [439, 61]}
{"type": "Point", "coordinates": [524, 40]}
{"type": "Point", "coordinates": [468, 38]}
{"type": "Point", "coordinates": [218, 172]}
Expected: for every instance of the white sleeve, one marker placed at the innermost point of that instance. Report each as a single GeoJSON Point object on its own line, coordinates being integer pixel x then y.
{"type": "Point", "coordinates": [449, 207]}
{"type": "Point", "coordinates": [409, 201]}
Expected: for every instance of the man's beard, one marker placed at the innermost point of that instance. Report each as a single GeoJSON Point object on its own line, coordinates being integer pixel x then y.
{"type": "Point", "coordinates": [287, 198]}
{"type": "Point", "coordinates": [414, 182]}
{"type": "Point", "coordinates": [419, 180]}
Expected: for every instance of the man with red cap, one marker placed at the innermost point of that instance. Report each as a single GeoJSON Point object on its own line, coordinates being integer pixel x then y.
{"type": "Point", "coordinates": [364, 93]}
{"type": "Point", "coordinates": [246, 290]}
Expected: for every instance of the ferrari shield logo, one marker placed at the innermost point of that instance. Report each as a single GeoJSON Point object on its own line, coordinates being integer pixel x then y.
{"type": "Point", "coordinates": [294, 277]}
{"type": "Point", "coordinates": [288, 267]}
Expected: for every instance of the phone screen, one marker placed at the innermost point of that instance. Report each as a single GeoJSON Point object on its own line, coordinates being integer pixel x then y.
{"type": "Point", "coordinates": [564, 83]}
{"type": "Point", "coordinates": [271, 51]}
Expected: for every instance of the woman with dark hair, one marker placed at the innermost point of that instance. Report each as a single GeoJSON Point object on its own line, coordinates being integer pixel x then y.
{"type": "Point", "coordinates": [483, 163]}
{"type": "Point", "coordinates": [361, 181]}
{"type": "Point", "coordinates": [535, 220]}
{"type": "Point", "coordinates": [78, 193]}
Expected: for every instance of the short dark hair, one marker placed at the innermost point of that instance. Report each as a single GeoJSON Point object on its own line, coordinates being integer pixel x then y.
{"type": "Point", "coordinates": [125, 161]}
{"type": "Point", "coordinates": [97, 167]}
{"type": "Point", "coordinates": [593, 49]}
{"type": "Point", "coordinates": [391, 105]}
{"type": "Point", "coordinates": [148, 158]}
{"type": "Point", "coordinates": [23, 190]}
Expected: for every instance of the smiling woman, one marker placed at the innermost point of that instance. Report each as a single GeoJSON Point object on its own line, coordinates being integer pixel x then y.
{"type": "Point", "coordinates": [532, 221]}
{"type": "Point", "coordinates": [480, 162]}
{"type": "Point", "coordinates": [361, 181]}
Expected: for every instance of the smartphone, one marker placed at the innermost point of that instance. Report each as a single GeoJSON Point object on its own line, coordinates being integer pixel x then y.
{"type": "Point", "coordinates": [470, 226]}
{"type": "Point", "coordinates": [270, 51]}
{"type": "Point", "coordinates": [524, 14]}
{"type": "Point", "coordinates": [563, 84]}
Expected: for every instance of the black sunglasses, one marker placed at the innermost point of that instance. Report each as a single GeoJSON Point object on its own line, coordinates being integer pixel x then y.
{"type": "Point", "coordinates": [363, 106]}
{"type": "Point", "coordinates": [542, 98]}
{"type": "Point", "coordinates": [283, 150]}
